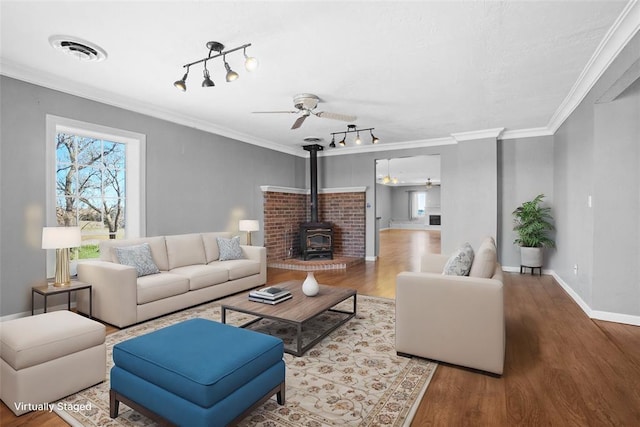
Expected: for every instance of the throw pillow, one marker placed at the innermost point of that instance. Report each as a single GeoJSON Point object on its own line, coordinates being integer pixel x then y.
{"type": "Point", "coordinates": [459, 264]}
{"type": "Point", "coordinates": [229, 248]}
{"type": "Point", "coordinates": [138, 256]}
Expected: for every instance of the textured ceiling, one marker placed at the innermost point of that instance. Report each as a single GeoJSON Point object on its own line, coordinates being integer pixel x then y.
{"type": "Point", "coordinates": [413, 70]}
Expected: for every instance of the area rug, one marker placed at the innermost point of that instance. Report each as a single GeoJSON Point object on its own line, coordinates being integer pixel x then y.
{"type": "Point", "coordinates": [352, 377]}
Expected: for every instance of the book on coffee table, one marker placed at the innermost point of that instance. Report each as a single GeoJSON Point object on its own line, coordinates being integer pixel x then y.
{"type": "Point", "coordinates": [270, 301]}
{"type": "Point", "coordinates": [270, 292]}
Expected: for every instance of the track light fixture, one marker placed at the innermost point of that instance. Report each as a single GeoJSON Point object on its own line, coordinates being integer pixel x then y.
{"type": "Point", "coordinates": [352, 129]}
{"type": "Point", "coordinates": [218, 48]}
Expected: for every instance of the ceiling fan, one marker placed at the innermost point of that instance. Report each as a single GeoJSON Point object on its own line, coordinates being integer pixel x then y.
{"type": "Point", "coordinates": [430, 184]}
{"type": "Point", "coordinates": [305, 104]}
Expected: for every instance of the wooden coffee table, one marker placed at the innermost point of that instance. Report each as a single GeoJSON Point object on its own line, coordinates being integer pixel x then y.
{"type": "Point", "coordinates": [296, 311]}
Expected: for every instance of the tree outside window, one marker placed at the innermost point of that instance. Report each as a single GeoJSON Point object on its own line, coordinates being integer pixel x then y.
{"type": "Point", "coordinates": [90, 188]}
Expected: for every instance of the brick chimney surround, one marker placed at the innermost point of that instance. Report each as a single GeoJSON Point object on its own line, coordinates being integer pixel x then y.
{"type": "Point", "coordinates": [286, 208]}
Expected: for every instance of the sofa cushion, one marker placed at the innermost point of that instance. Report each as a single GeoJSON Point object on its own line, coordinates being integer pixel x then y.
{"type": "Point", "coordinates": [201, 276]}
{"type": "Point", "coordinates": [185, 249]}
{"type": "Point", "coordinates": [159, 286]}
{"type": "Point", "coordinates": [138, 256]}
{"type": "Point", "coordinates": [484, 263]}
{"type": "Point", "coordinates": [156, 244]}
{"type": "Point", "coordinates": [210, 241]}
{"type": "Point", "coordinates": [459, 263]}
{"type": "Point", "coordinates": [240, 268]}
{"type": "Point", "coordinates": [229, 248]}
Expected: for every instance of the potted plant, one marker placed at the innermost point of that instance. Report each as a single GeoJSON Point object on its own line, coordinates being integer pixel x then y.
{"type": "Point", "coordinates": [532, 223]}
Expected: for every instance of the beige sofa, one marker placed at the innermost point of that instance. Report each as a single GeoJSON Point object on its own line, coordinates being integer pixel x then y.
{"type": "Point", "coordinates": [453, 319]}
{"type": "Point", "coordinates": [190, 273]}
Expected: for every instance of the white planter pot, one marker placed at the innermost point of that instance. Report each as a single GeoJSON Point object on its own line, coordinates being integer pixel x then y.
{"type": "Point", "coordinates": [531, 257]}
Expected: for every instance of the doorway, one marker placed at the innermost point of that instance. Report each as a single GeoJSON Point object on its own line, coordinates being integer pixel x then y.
{"type": "Point", "coordinates": [407, 196]}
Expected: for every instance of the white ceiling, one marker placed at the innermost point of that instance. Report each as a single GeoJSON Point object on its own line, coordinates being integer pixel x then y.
{"type": "Point", "coordinates": [416, 71]}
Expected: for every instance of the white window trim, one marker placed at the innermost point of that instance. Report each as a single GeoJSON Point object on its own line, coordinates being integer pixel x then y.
{"type": "Point", "coordinates": [135, 214]}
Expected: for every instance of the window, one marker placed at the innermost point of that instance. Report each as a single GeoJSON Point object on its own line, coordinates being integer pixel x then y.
{"type": "Point", "coordinates": [95, 181]}
{"type": "Point", "coordinates": [418, 203]}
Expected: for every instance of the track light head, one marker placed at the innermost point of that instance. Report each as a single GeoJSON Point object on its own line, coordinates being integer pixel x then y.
{"type": "Point", "coordinates": [250, 63]}
{"type": "Point", "coordinates": [182, 83]}
{"type": "Point", "coordinates": [231, 75]}
{"type": "Point", "coordinates": [207, 82]}
{"type": "Point", "coordinates": [374, 139]}
{"type": "Point", "coordinates": [358, 140]}
{"type": "Point", "coordinates": [333, 141]}
{"type": "Point", "coordinates": [343, 142]}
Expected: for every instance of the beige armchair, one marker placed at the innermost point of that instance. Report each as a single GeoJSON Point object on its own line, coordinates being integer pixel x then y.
{"type": "Point", "coordinates": [453, 319]}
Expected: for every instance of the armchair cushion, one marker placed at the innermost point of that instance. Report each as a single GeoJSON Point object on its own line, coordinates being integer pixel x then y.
{"type": "Point", "coordinates": [484, 264]}
{"type": "Point", "coordinates": [459, 264]}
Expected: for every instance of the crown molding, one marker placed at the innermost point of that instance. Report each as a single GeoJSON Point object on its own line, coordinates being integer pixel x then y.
{"type": "Point", "coordinates": [291, 190]}
{"type": "Point", "coordinates": [477, 134]}
{"type": "Point", "coordinates": [620, 33]}
{"type": "Point", "coordinates": [526, 133]}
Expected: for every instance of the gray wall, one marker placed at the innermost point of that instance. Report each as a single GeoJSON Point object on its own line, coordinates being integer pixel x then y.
{"type": "Point", "coordinates": [525, 170]}
{"type": "Point", "coordinates": [597, 154]}
{"type": "Point", "coordinates": [195, 181]}
{"type": "Point", "coordinates": [469, 193]}
{"type": "Point", "coordinates": [401, 200]}
{"type": "Point", "coordinates": [384, 205]}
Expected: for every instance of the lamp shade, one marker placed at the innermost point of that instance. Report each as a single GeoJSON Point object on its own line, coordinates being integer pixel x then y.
{"type": "Point", "coordinates": [249, 225]}
{"type": "Point", "coordinates": [61, 237]}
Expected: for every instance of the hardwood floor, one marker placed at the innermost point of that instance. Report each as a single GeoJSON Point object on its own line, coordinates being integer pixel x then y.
{"type": "Point", "coordinates": [561, 367]}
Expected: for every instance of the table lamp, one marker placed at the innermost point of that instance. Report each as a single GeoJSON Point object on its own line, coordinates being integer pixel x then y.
{"type": "Point", "coordinates": [249, 225]}
{"type": "Point", "coordinates": [61, 239]}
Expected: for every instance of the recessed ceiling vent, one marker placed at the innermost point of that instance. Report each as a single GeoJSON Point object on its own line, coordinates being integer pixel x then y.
{"type": "Point", "coordinates": [78, 48]}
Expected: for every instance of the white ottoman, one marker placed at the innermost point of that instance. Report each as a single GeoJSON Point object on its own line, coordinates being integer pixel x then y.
{"type": "Point", "coordinates": [49, 356]}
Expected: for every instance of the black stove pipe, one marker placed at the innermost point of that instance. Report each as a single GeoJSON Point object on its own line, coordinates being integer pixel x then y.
{"type": "Point", "coordinates": [313, 171]}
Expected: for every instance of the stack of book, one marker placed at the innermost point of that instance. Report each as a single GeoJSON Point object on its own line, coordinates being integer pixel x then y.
{"type": "Point", "coordinates": [270, 295]}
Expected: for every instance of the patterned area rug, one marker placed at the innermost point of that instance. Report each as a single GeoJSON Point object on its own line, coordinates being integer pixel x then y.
{"type": "Point", "coordinates": [352, 377]}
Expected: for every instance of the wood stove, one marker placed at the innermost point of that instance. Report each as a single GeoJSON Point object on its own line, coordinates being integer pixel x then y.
{"type": "Point", "coordinates": [316, 238]}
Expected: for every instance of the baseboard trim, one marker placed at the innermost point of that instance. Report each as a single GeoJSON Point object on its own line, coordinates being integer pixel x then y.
{"type": "Point", "coordinates": [37, 311]}
{"type": "Point", "coordinates": [371, 258]}
{"type": "Point", "coordinates": [592, 314]}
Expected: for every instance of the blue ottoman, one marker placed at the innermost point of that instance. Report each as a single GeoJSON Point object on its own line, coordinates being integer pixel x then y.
{"type": "Point", "coordinates": [197, 373]}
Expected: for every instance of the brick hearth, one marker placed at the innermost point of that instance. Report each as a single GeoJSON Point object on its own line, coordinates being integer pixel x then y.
{"type": "Point", "coordinates": [285, 209]}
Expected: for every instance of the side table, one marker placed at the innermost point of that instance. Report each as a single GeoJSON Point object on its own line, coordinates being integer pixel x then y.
{"type": "Point", "coordinates": [49, 289]}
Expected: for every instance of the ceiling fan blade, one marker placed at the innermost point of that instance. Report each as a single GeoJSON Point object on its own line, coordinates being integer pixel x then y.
{"type": "Point", "coordinates": [336, 116]}
{"type": "Point", "coordinates": [274, 112]}
{"type": "Point", "coordinates": [299, 122]}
